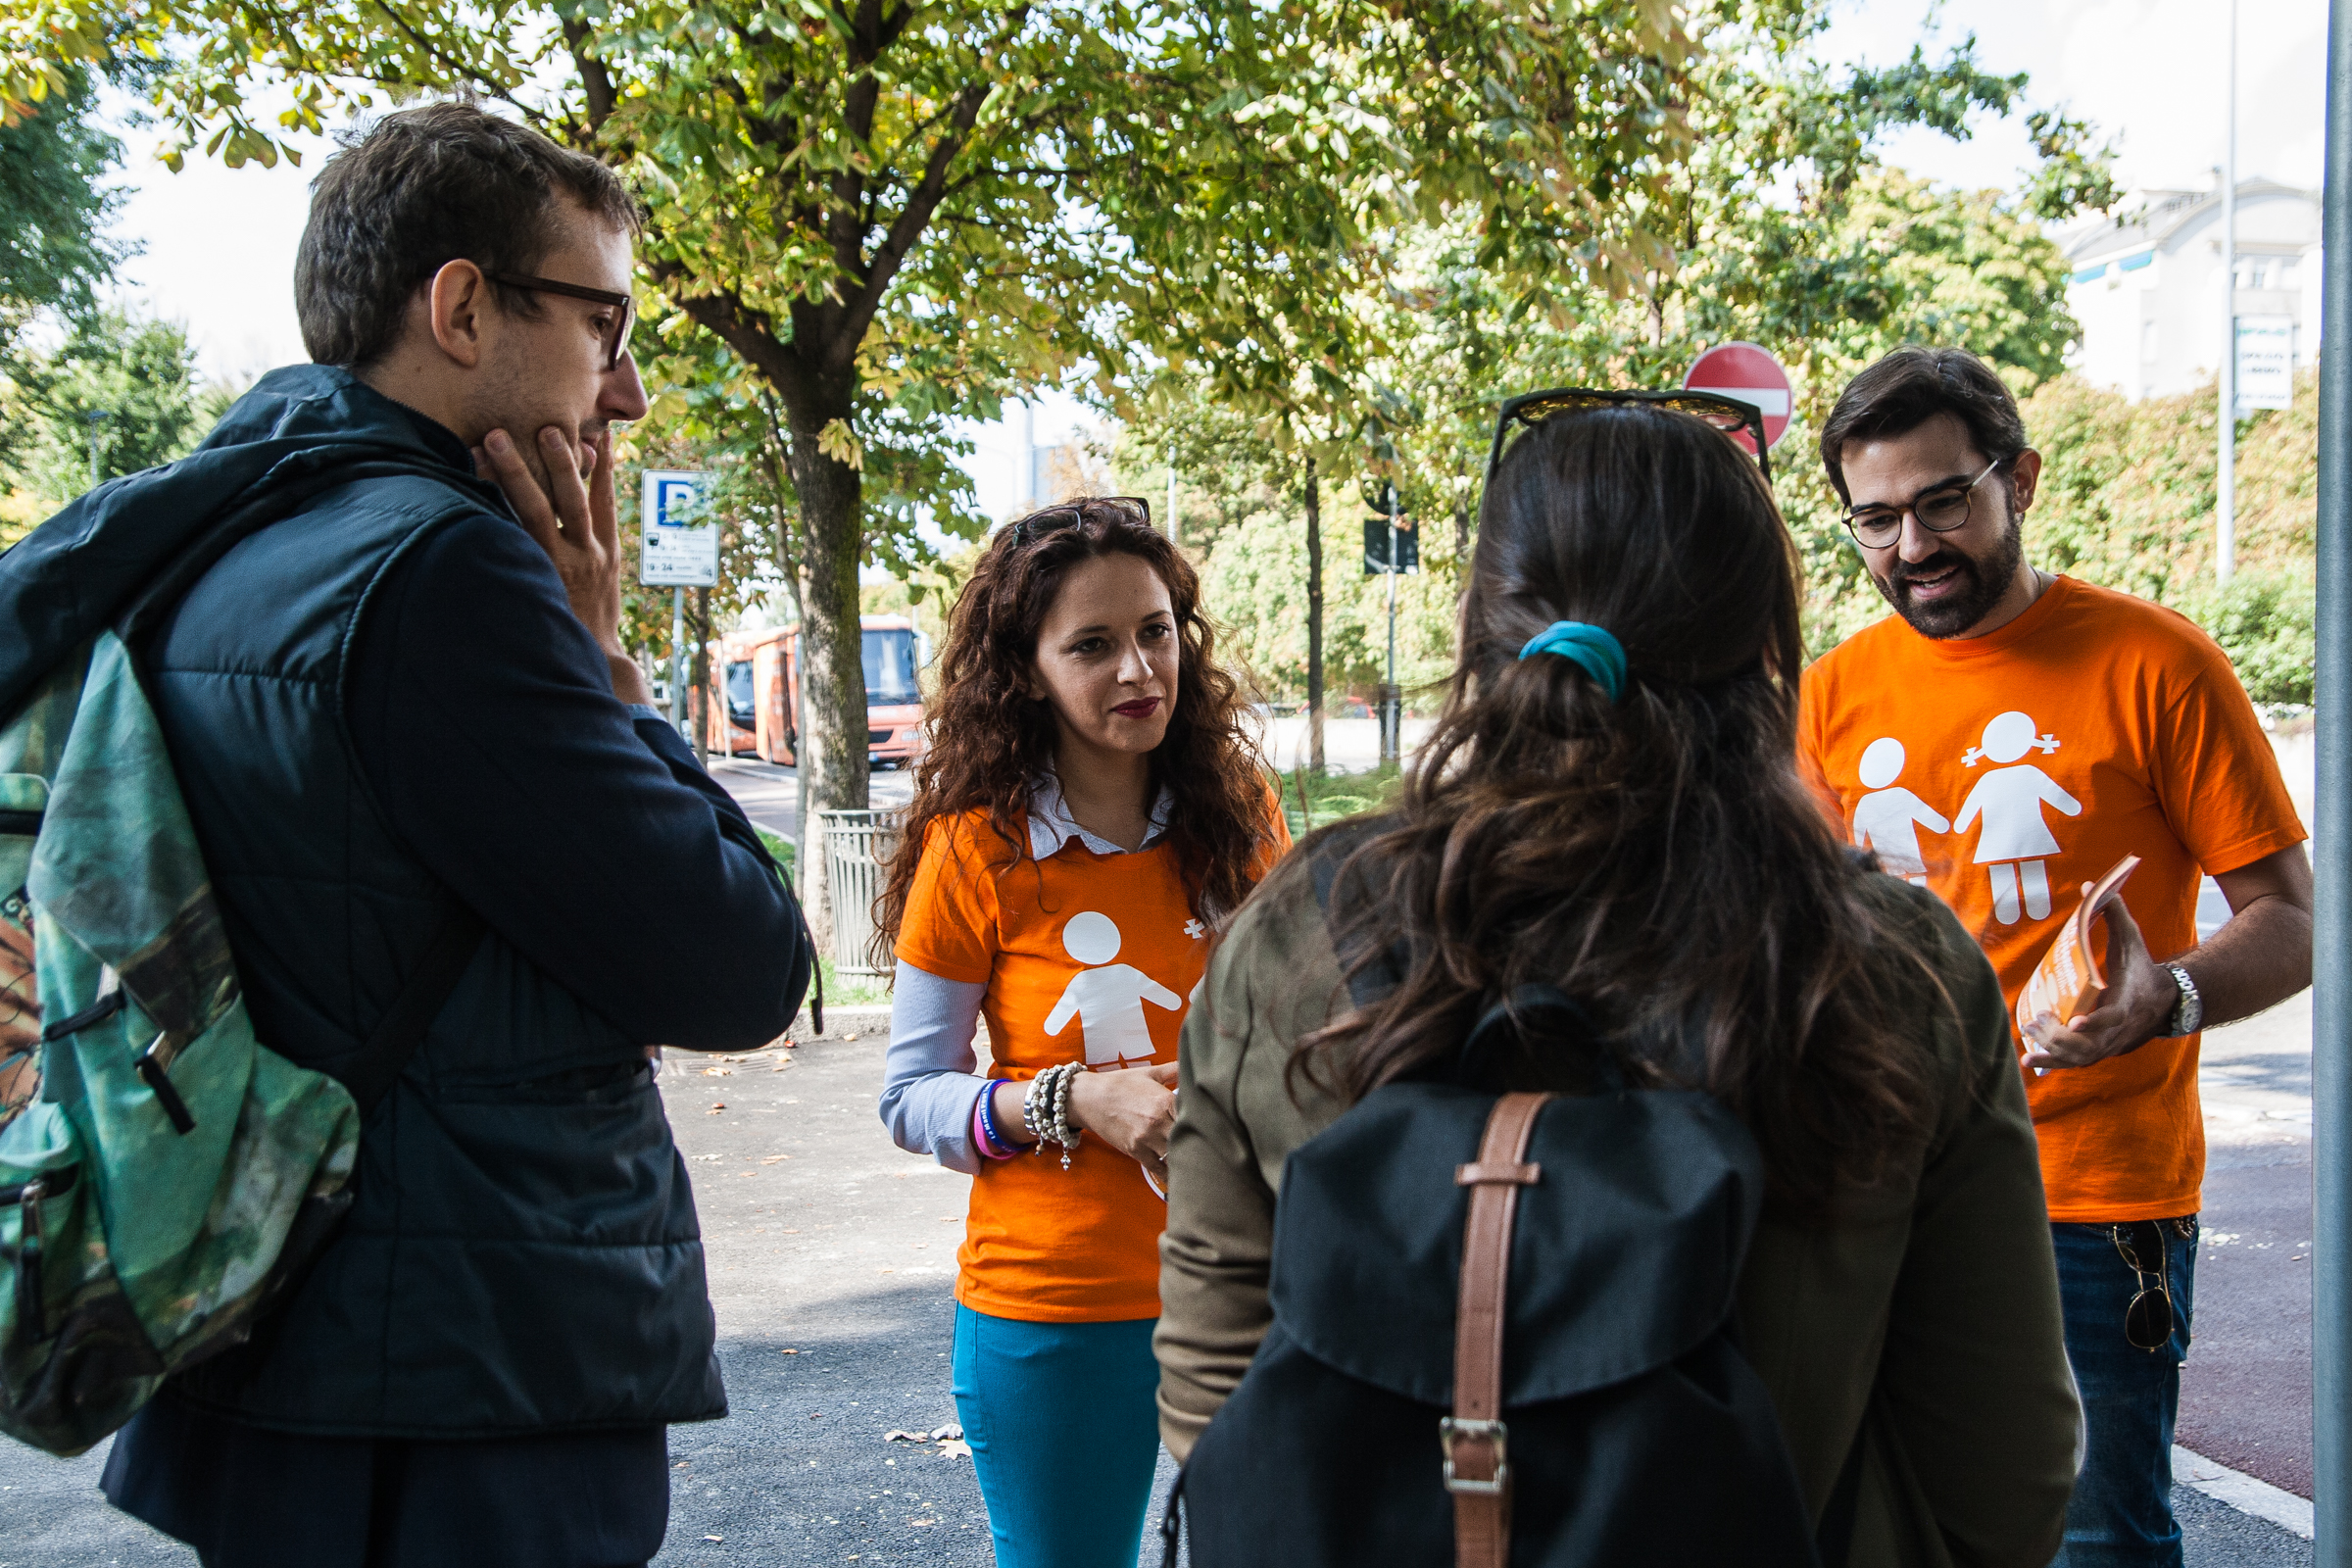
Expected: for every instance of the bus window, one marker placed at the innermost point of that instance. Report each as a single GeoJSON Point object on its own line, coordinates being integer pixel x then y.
{"type": "Point", "coordinates": [890, 669]}
{"type": "Point", "coordinates": [740, 707]}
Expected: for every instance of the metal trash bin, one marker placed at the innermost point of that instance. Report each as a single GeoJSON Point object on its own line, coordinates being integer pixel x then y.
{"type": "Point", "coordinates": [859, 846]}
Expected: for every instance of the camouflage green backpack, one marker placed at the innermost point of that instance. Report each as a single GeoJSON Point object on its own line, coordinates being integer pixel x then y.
{"type": "Point", "coordinates": [163, 1177]}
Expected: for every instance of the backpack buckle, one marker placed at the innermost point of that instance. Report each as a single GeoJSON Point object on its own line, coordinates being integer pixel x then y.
{"type": "Point", "coordinates": [1453, 1429]}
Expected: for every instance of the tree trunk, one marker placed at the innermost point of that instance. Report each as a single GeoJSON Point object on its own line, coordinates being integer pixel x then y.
{"type": "Point", "coordinates": [1315, 621]}
{"type": "Point", "coordinates": [1461, 542]}
{"type": "Point", "coordinates": [831, 754]}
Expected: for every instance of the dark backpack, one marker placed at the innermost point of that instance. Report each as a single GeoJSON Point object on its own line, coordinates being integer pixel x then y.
{"type": "Point", "coordinates": [1571, 1393]}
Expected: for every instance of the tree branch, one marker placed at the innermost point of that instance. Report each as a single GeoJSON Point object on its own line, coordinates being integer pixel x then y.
{"type": "Point", "coordinates": [594, 79]}
{"type": "Point", "coordinates": [912, 219]}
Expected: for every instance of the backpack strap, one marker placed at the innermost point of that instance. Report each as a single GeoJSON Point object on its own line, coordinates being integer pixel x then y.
{"type": "Point", "coordinates": [397, 1035]}
{"type": "Point", "coordinates": [1474, 1438]}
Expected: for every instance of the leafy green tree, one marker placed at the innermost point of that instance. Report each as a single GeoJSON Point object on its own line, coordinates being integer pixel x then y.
{"type": "Point", "coordinates": [54, 252]}
{"type": "Point", "coordinates": [2125, 501]}
{"type": "Point", "coordinates": [118, 395]}
{"type": "Point", "coordinates": [894, 215]}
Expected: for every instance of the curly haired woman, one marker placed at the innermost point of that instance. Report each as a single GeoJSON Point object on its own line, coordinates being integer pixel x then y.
{"type": "Point", "coordinates": [1088, 814]}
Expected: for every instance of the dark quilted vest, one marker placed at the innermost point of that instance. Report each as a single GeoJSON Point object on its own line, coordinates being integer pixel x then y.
{"type": "Point", "coordinates": [523, 1254]}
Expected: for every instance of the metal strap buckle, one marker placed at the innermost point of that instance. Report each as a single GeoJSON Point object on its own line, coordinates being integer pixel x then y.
{"type": "Point", "coordinates": [1451, 1430]}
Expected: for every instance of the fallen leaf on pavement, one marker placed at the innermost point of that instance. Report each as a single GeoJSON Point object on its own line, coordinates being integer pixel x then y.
{"type": "Point", "coordinates": [716, 1109]}
{"type": "Point", "coordinates": [906, 1437]}
{"type": "Point", "coordinates": [950, 1430]}
{"type": "Point", "coordinates": [955, 1449]}
{"type": "Point", "coordinates": [772, 1159]}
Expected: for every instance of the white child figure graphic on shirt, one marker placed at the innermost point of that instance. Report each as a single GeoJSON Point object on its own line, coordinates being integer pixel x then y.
{"type": "Point", "coordinates": [1107, 1002]}
{"type": "Point", "coordinates": [1888, 819]}
{"type": "Point", "coordinates": [2016, 843]}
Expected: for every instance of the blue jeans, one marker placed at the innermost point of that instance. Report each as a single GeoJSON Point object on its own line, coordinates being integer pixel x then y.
{"type": "Point", "coordinates": [1064, 1428]}
{"type": "Point", "coordinates": [2122, 1512]}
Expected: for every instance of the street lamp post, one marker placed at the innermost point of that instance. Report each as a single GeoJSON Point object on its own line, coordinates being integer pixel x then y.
{"type": "Point", "coordinates": [2224, 485]}
{"type": "Point", "coordinates": [1391, 703]}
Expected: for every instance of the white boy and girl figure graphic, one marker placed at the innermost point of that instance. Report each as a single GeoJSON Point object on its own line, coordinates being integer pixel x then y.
{"type": "Point", "coordinates": [2015, 843]}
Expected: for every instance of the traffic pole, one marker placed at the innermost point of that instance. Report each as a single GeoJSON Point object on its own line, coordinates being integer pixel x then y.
{"type": "Point", "coordinates": [2224, 484]}
{"type": "Point", "coordinates": [2331, 847]}
{"type": "Point", "coordinates": [1392, 724]}
{"type": "Point", "coordinates": [677, 659]}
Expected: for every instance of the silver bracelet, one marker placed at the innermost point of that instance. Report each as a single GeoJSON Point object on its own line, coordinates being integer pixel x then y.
{"type": "Point", "coordinates": [1046, 1109]}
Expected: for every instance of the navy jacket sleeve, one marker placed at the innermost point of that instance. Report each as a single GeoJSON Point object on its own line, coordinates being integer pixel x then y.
{"type": "Point", "coordinates": [484, 719]}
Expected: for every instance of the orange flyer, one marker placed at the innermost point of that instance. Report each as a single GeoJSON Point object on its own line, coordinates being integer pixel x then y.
{"type": "Point", "coordinates": [2068, 980]}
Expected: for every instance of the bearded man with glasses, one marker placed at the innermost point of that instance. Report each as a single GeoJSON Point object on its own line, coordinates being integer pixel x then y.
{"type": "Point", "coordinates": [2047, 728]}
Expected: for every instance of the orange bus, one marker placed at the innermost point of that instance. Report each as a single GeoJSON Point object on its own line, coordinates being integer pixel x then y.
{"type": "Point", "coordinates": [754, 702]}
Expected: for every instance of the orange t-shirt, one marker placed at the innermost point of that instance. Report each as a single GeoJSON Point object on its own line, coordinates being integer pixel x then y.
{"type": "Point", "coordinates": [2006, 771]}
{"type": "Point", "coordinates": [1087, 957]}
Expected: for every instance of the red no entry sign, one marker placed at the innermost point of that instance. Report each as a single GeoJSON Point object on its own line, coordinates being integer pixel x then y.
{"type": "Point", "coordinates": [1751, 374]}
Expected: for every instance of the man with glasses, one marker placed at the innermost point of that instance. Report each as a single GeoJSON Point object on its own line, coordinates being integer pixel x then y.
{"type": "Point", "coordinates": [2059, 727]}
{"type": "Point", "coordinates": [411, 743]}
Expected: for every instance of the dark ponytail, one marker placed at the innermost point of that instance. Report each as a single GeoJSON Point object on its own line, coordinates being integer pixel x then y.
{"type": "Point", "coordinates": [1656, 856]}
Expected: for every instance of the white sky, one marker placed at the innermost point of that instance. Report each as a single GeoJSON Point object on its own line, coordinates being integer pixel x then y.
{"type": "Point", "coordinates": [219, 243]}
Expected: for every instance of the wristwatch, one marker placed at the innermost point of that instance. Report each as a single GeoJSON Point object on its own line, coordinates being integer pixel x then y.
{"type": "Point", "coordinates": [2188, 1017]}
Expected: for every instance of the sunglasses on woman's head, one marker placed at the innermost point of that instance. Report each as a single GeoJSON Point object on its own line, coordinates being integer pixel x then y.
{"type": "Point", "coordinates": [617, 335]}
{"type": "Point", "coordinates": [1727, 415]}
{"type": "Point", "coordinates": [1052, 519]}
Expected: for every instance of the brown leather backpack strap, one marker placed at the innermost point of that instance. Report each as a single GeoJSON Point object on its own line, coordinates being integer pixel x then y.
{"type": "Point", "coordinates": [1477, 1469]}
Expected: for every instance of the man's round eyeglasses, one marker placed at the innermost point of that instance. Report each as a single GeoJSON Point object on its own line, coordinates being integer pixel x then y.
{"type": "Point", "coordinates": [1939, 508]}
{"type": "Point", "coordinates": [617, 335]}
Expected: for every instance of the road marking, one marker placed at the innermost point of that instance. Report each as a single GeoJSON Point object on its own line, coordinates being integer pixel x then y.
{"type": "Point", "coordinates": [2242, 1491]}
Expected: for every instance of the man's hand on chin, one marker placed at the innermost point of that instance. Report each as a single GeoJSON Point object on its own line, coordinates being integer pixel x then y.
{"type": "Point", "coordinates": [578, 526]}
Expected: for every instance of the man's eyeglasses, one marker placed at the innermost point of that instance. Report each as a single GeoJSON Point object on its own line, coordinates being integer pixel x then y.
{"type": "Point", "coordinates": [2148, 1320]}
{"type": "Point", "coordinates": [1727, 415]}
{"type": "Point", "coordinates": [1052, 519]}
{"type": "Point", "coordinates": [1939, 508]}
{"type": "Point", "coordinates": [617, 335]}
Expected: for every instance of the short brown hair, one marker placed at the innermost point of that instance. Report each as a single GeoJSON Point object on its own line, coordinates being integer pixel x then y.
{"type": "Point", "coordinates": [1913, 385]}
{"type": "Point", "coordinates": [420, 189]}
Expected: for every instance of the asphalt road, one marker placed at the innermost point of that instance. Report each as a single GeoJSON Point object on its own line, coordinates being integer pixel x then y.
{"type": "Point", "coordinates": [832, 1260]}
{"type": "Point", "coordinates": [832, 1257]}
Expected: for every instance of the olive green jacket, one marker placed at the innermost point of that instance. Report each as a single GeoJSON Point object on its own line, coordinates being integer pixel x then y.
{"type": "Point", "coordinates": [1924, 1324]}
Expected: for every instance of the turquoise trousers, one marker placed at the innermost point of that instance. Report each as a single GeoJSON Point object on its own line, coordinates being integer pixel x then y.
{"type": "Point", "coordinates": [1064, 1432]}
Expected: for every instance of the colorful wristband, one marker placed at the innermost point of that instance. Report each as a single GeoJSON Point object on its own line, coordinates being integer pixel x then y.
{"type": "Point", "coordinates": [985, 1136]}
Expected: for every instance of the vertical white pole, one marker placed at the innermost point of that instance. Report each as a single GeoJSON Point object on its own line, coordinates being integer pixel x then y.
{"type": "Point", "coordinates": [2224, 488]}
{"type": "Point", "coordinates": [1174, 537]}
{"type": "Point", "coordinates": [678, 659]}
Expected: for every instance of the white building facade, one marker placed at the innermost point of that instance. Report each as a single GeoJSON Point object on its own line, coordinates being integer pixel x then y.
{"type": "Point", "coordinates": [2147, 286]}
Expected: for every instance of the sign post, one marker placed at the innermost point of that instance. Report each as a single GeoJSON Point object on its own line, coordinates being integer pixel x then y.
{"type": "Point", "coordinates": [2266, 363]}
{"type": "Point", "coordinates": [1746, 373]}
{"type": "Point", "coordinates": [1390, 548]}
{"type": "Point", "coordinates": [680, 551]}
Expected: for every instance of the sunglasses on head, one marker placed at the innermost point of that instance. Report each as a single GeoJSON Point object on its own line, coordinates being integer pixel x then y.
{"type": "Point", "coordinates": [1052, 519]}
{"type": "Point", "coordinates": [617, 335]}
{"type": "Point", "coordinates": [1731, 417]}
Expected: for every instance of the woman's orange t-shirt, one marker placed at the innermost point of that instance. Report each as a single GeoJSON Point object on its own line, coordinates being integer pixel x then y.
{"type": "Point", "coordinates": [1043, 1245]}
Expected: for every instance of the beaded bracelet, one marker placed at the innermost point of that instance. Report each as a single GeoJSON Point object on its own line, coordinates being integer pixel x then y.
{"type": "Point", "coordinates": [1046, 1108]}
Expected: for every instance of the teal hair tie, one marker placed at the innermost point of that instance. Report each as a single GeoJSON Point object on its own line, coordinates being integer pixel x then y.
{"type": "Point", "coordinates": [1601, 654]}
